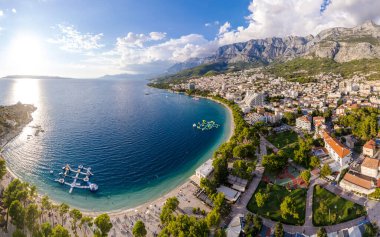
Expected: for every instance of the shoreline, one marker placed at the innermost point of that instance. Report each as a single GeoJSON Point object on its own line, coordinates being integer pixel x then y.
{"type": "Point", "coordinates": [177, 189]}
{"type": "Point", "coordinates": [114, 213]}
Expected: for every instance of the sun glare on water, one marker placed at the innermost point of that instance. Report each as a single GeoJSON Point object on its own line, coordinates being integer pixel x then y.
{"type": "Point", "coordinates": [26, 54]}
{"type": "Point", "coordinates": [26, 91]}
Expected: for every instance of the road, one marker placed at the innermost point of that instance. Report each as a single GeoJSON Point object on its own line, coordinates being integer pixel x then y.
{"type": "Point", "coordinates": [373, 207]}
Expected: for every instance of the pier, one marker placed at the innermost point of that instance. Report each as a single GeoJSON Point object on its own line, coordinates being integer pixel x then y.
{"type": "Point", "coordinates": [81, 170]}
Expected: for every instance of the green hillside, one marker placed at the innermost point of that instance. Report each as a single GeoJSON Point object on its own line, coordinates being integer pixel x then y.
{"type": "Point", "coordinates": [200, 71]}
{"type": "Point", "coordinates": [302, 70]}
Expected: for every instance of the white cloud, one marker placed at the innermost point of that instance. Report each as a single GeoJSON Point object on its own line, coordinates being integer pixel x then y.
{"type": "Point", "coordinates": [72, 40]}
{"type": "Point", "coordinates": [14, 10]}
{"type": "Point", "coordinates": [133, 54]}
{"type": "Point", "coordinates": [139, 40]}
{"type": "Point", "coordinates": [155, 51]}
{"type": "Point", "coordinates": [299, 17]}
{"type": "Point", "coordinates": [224, 28]}
{"type": "Point", "coordinates": [209, 24]}
{"type": "Point", "coordinates": [1, 13]}
{"type": "Point", "coordinates": [157, 35]}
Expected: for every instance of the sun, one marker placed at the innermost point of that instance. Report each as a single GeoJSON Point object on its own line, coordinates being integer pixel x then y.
{"type": "Point", "coordinates": [26, 54]}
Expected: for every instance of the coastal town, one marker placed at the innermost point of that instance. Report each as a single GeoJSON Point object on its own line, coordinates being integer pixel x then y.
{"type": "Point", "coordinates": [294, 165]}
{"type": "Point", "coordinates": [338, 116]}
{"type": "Point", "coordinates": [168, 118]}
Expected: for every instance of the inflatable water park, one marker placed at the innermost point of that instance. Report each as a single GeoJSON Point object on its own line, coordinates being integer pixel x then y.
{"type": "Point", "coordinates": [206, 125]}
{"type": "Point", "coordinates": [74, 177]}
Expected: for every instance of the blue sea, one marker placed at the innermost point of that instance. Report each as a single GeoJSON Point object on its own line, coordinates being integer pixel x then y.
{"type": "Point", "coordinates": [139, 141]}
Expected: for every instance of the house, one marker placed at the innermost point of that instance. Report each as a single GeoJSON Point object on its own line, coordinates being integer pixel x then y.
{"type": "Point", "coordinates": [304, 122]}
{"type": "Point", "coordinates": [369, 148]}
{"type": "Point", "coordinates": [230, 194]}
{"type": "Point", "coordinates": [204, 170]}
{"type": "Point", "coordinates": [236, 226]}
{"type": "Point", "coordinates": [318, 120]}
{"type": "Point", "coordinates": [357, 183]}
{"type": "Point", "coordinates": [341, 110]}
{"type": "Point", "coordinates": [370, 167]}
{"type": "Point", "coordinates": [237, 183]}
{"type": "Point", "coordinates": [337, 151]}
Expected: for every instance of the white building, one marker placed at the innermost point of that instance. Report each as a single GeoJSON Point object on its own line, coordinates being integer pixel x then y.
{"type": "Point", "coordinates": [236, 226]}
{"type": "Point", "coordinates": [253, 99]}
{"type": "Point", "coordinates": [272, 118]}
{"type": "Point", "coordinates": [304, 122]}
{"type": "Point", "coordinates": [355, 183]}
{"type": "Point", "coordinates": [369, 148]}
{"type": "Point", "coordinates": [204, 170]}
{"type": "Point", "coordinates": [230, 194]}
{"type": "Point", "coordinates": [337, 151]}
{"type": "Point", "coordinates": [370, 167]}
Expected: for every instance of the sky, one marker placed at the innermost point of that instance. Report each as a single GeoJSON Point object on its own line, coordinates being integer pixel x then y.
{"type": "Point", "coordinates": [91, 38]}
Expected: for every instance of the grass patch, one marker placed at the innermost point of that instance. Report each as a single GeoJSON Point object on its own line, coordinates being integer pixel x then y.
{"type": "Point", "coordinates": [325, 213]}
{"type": "Point", "coordinates": [283, 139]}
{"type": "Point", "coordinates": [271, 208]}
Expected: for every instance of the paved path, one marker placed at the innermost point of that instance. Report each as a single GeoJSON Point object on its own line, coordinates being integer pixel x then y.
{"type": "Point", "coordinates": [240, 207]}
{"type": "Point", "coordinates": [373, 207]}
{"type": "Point", "coordinates": [266, 143]}
{"type": "Point", "coordinates": [309, 205]}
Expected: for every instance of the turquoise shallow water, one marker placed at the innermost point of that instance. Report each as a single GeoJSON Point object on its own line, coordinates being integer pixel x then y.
{"type": "Point", "coordinates": [138, 140]}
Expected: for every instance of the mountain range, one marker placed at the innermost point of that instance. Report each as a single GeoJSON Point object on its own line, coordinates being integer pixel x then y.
{"type": "Point", "coordinates": [340, 44]}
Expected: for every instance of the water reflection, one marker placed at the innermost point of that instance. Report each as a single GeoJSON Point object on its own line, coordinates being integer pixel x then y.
{"type": "Point", "coordinates": [26, 91]}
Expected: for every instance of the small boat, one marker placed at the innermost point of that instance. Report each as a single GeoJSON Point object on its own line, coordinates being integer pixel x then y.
{"type": "Point", "coordinates": [51, 171]}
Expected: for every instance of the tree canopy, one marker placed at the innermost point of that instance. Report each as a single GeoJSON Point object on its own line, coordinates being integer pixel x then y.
{"type": "Point", "coordinates": [363, 122]}
{"type": "Point", "coordinates": [139, 229]}
{"type": "Point", "coordinates": [275, 162]}
{"type": "Point", "coordinates": [104, 225]}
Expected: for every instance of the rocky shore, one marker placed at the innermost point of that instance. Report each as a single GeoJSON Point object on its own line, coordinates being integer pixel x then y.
{"type": "Point", "coordinates": [13, 118]}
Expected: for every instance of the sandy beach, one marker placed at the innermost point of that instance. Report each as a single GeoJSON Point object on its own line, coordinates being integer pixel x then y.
{"type": "Point", "coordinates": [123, 220]}
{"type": "Point", "coordinates": [149, 212]}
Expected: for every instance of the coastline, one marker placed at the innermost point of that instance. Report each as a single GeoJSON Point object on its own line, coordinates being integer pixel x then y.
{"type": "Point", "coordinates": [183, 191]}
{"type": "Point", "coordinates": [177, 189]}
{"type": "Point", "coordinates": [149, 212]}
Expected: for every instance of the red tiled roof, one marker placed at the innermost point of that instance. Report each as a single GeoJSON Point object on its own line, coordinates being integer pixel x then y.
{"type": "Point", "coordinates": [371, 144]}
{"type": "Point", "coordinates": [357, 181]}
{"type": "Point", "coordinates": [305, 118]}
{"type": "Point", "coordinates": [354, 106]}
{"type": "Point", "coordinates": [318, 119]}
{"type": "Point", "coordinates": [338, 147]}
{"type": "Point", "coordinates": [371, 163]}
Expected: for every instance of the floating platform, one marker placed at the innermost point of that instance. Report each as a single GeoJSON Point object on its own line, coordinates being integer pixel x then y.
{"type": "Point", "coordinates": [73, 181]}
{"type": "Point", "coordinates": [206, 125]}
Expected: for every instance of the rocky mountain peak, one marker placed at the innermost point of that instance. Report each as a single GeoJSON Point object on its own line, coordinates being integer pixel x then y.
{"type": "Point", "coordinates": [338, 43]}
